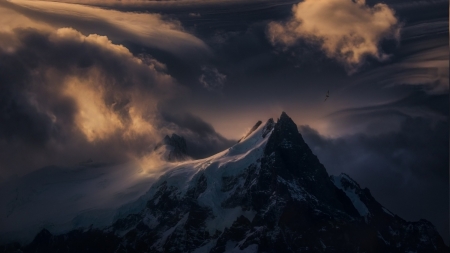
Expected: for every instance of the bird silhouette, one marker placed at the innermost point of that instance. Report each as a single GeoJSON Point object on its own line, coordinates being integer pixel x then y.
{"type": "Point", "coordinates": [327, 96]}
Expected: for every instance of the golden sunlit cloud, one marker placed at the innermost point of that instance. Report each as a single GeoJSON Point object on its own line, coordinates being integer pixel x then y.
{"type": "Point", "coordinates": [96, 119]}
{"type": "Point", "coordinates": [88, 97]}
{"type": "Point", "coordinates": [346, 30]}
{"type": "Point", "coordinates": [93, 118]}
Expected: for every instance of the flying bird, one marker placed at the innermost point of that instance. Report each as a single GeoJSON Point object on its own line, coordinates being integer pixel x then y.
{"type": "Point", "coordinates": [327, 96]}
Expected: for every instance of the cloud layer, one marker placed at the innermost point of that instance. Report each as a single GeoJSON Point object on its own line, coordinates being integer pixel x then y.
{"type": "Point", "coordinates": [346, 30]}
{"type": "Point", "coordinates": [401, 168]}
{"type": "Point", "coordinates": [422, 63]}
{"type": "Point", "coordinates": [149, 29]}
{"type": "Point", "coordinates": [67, 97]}
{"type": "Point", "coordinates": [70, 94]}
{"type": "Point", "coordinates": [399, 150]}
{"type": "Point", "coordinates": [201, 137]}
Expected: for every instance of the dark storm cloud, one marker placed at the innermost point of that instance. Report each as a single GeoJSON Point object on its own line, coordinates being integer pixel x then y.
{"type": "Point", "coordinates": [421, 121]}
{"type": "Point", "coordinates": [202, 140]}
{"type": "Point", "coordinates": [417, 104]}
{"type": "Point", "coordinates": [244, 51]}
{"type": "Point", "coordinates": [411, 3]}
{"type": "Point", "coordinates": [400, 168]}
{"type": "Point", "coordinates": [66, 97]}
{"type": "Point", "coordinates": [211, 79]}
{"type": "Point", "coordinates": [190, 122]}
{"type": "Point", "coordinates": [419, 147]}
{"type": "Point", "coordinates": [70, 52]}
{"type": "Point", "coordinates": [422, 61]}
{"type": "Point", "coordinates": [400, 152]}
{"type": "Point", "coordinates": [20, 119]}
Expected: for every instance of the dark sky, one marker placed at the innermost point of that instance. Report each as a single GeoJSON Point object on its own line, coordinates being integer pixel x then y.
{"type": "Point", "coordinates": [106, 80]}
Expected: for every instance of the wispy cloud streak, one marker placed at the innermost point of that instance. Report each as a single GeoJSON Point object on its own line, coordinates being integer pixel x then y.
{"type": "Point", "coordinates": [149, 29]}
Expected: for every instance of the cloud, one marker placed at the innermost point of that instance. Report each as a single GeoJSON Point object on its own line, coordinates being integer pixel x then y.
{"type": "Point", "coordinates": [403, 143]}
{"type": "Point", "coordinates": [11, 20]}
{"type": "Point", "coordinates": [201, 137]}
{"type": "Point", "coordinates": [66, 97]}
{"type": "Point", "coordinates": [146, 3]}
{"type": "Point", "coordinates": [401, 167]}
{"type": "Point", "coordinates": [148, 29]}
{"type": "Point", "coordinates": [425, 63]}
{"type": "Point", "coordinates": [346, 30]}
{"type": "Point", "coordinates": [422, 61]}
{"type": "Point", "coordinates": [212, 79]}
{"type": "Point", "coordinates": [194, 15]}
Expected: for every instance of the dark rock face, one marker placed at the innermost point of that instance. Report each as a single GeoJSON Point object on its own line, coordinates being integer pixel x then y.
{"type": "Point", "coordinates": [289, 157]}
{"type": "Point", "coordinates": [294, 206]}
{"type": "Point", "coordinates": [176, 147]}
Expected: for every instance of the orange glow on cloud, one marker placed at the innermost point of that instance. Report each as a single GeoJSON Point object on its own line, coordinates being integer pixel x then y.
{"type": "Point", "coordinates": [97, 121]}
{"type": "Point", "coordinates": [94, 119]}
{"type": "Point", "coordinates": [346, 30]}
{"type": "Point", "coordinates": [148, 28]}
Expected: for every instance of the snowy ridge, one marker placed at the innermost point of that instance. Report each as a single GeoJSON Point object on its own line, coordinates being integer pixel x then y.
{"type": "Point", "coordinates": [64, 198]}
{"type": "Point", "coordinates": [228, 163]}
{"type": "Point", "coordinates": [387, 211]}
{"type": "Point", "coordinates": [351, 189]}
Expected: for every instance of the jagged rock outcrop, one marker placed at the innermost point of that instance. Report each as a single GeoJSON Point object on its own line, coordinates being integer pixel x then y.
{"type": "Point", "coordinates": [172, 148]}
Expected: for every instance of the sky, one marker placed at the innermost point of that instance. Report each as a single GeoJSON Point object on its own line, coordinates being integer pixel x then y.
{"type": "Point", "coordinates": [107, 80]}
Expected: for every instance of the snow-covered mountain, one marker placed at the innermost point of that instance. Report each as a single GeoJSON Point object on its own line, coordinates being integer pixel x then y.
{"type": "Point", "coordinates": [267, 193]}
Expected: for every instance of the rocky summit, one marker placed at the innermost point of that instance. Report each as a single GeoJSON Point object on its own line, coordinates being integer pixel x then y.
{"type": "Point", "coordinates": [172, 148]}
{"type": "Point", "coordinates": [267, 193]}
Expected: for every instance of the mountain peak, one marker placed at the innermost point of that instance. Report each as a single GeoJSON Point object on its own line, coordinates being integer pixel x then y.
{"type": "Point", "coordinates": [284, 115]}
{"type": "Point", "coordinates": [288, 143]}
{"type": "Point", "coordinates": [267, 193]}
{"type": "Point", "coordinates": [286, 120]}
{"type": "Point", "coordinates": [172, 148]}
{"type": "Point", "coordinates": [292, 160]}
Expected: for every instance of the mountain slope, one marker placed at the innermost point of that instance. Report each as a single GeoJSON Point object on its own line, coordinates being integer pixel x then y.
{"type": "Point", "coordinates": [267, 193]}
{"type": "Point", "coordinates": [64, 198]}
